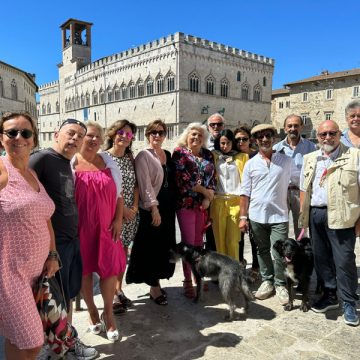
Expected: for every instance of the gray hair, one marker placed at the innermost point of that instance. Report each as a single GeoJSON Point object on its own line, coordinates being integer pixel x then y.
{"type": "Point", "coordinates": [216, 115]}
{"type": "Point", "coordinates": [98, 127]}
{"type": "Point", "coordinates": [193, 126]}
{"type": "Point", "coordinates": [292, 116]}
{"type": "Point", "coordinates": [352, 105]}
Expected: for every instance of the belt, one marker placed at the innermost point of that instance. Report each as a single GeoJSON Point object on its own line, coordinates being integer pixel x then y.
{"type": "Point", "coordinates": [293, 187]}
{"type": "Point", "coordinates": [319, 207]}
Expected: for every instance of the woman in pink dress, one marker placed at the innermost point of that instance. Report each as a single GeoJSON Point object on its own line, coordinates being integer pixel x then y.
{"type": "Point", "coordinates": [27, 243]}
{"type": "Point", "coordinates": [100, 204]}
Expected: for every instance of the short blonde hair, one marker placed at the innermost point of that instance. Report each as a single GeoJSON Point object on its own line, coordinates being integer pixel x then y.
{"type": "Point", "coordinates": [193, 126]}
{"type": "Point", "coordinates": [98, 127]}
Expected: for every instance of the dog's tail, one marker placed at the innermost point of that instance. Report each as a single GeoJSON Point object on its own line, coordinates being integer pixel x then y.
{"type": "Point", "coordinates": [245, 288]}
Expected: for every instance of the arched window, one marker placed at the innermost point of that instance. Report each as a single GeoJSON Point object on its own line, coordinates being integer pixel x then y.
{"type": "Point", "coordinates": [131, 90]}
{"type": "Point", "coordinates": [123, 92]}
{"type": "Point", "coordinates": [82, 100]}
{"type": "Point", "coordinates": [87, 99]}
{"type": "Point", "coordinates": [194, 82]}
{"type": "Point", "coordinates": [57, 107]}
{"type": "Point", "coordinates": [109, 94]}
{"type": "Point", "coordinates": [170, 80]}
{"type": "Point", "coordinates": [117, 93]}
{"type": "Point", "coordinates": [264, 81]}
{"type": "Point", "coordinates": [140, 88]}
{"type": "Point", "coordinates": [1, 87]}
{"type": "Point", "coordinates": [101, 96]}
{"type": "Point", "coordinates": [14, 92]}
{"type": "Point", "coordinates": [43, 108]}
{"type": "Point", "coordinates": [73, 103]}
{"type": "Point", "coordinates": [245, 92]}
{"type": "Point", "coordinates": [238, 76]}
{"type": "Point", "coordinates": [77, 102]}
{"type": "Point", "coordinates": [149, 86]}
{"type": "Point", "coordinates": [257, 93]}
{"type": "Point", "coordinates": [95, 98]}
{"type": "Point", "coordinates": [49, 108]}
{"type": "Point", "coordinates": [66, 106]}
{"type": "Point", "coordinates": [160, 84]}
{"type": "Point", "coordinates": [210, 85]}
{"type": "Point", "coordinates": [224, 88]}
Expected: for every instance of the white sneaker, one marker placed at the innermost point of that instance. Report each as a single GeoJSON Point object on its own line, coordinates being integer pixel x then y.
{"type": "Point", "coordinates": [282, 294]}
{"type": "Point", "coordinates": [81, 351]}
{"type": "Point", "coordinates": [265, 290]}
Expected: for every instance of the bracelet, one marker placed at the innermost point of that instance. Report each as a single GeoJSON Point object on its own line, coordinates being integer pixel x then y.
{"type": "Point", "coordinates": [243, 217]}
{"type": "Point", "coordinates": [53, 254]}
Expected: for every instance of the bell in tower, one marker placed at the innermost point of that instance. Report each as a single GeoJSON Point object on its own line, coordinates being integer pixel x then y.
{"type": "Point", "coordinates": [76, 43]}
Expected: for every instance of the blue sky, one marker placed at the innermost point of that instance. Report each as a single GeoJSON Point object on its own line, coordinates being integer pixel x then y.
{"type": "Point", "coordinates": [304, 37]}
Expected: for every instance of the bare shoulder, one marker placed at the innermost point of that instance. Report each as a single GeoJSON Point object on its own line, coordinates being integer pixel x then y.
{"type": "Point", "coordinates": [3, 175]}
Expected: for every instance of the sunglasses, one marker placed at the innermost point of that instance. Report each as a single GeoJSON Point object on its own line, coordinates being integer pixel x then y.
{"type": "Point", "coordinates": [161, 133]}
{"type": "Point", "coordinates": [219, 124]}
{"type": "Point", "coordinates": [323, 135]}
{"type": "Point", "coordinates": [13, 133]}
{"type": "Point", "coordinates": [243, 139]}
{"type": "Point", "coordinates": [261, 136]}
{"type": "Point", "coordinates": [128, 134]}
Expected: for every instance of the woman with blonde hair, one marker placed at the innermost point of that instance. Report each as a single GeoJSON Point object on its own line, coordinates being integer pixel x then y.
{"type": "Point", "coordinates": [150, 254]}
{"type": "Point", "coordinates": [98, 194]}
{"type": "Point", "coordinates": [195, 180]}
{"type": "Point", "coordinates": [119, 138]}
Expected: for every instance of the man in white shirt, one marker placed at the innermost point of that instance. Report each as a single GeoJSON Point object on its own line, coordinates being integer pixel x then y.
{"type": "Point", "coordinates": [263, 199]}
{"type": "Point", "coordinates": [295, 147]}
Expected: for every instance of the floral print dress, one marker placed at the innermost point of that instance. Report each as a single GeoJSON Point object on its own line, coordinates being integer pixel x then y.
{"type": "Point", "coordinates": [126, 166]}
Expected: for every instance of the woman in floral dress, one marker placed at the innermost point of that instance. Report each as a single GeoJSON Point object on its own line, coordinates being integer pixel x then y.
{"type": "Point", "coordinates": [118, 145]}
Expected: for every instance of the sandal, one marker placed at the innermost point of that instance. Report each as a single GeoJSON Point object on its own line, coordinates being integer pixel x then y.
{"type": "Point", "coordinates": [160, 300]}
{"type": "Point", "coordinates": [95, 329]}
{"type": "Point", "coordinates": [125, 302]}
{"type": "Point", "coordinates": [118, 308]}
{"type": "Point", "coordinates": [189, 290]}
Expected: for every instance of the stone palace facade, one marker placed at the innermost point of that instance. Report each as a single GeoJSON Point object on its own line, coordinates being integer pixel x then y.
{"type": "Point", "coordinates": [315, 99]}
{"type": "Point", "coordinates": [17, 90]}
{"type": "Point", "coordinates": [179, 79]}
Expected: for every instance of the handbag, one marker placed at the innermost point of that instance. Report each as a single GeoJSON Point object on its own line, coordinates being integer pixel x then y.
{"type": "Point", "coordinates": [49, 298]}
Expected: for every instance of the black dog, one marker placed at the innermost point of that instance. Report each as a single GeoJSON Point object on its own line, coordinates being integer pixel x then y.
{"type": "Point", "coordinates": [228, 272]}
{"type": "Point", "coordinates": [299, 260]}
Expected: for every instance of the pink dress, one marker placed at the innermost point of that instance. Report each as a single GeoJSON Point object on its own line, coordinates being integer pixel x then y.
{"type": "Point", "coordinates": [95, 193]}
{"type": "Point", "coordinates": [24, 247]}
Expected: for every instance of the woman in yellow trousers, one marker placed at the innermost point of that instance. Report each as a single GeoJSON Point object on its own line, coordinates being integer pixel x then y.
{"type": "Point", "coordinates": [225, 208]}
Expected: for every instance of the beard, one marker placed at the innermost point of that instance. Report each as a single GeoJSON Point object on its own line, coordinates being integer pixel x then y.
{"type": "Point", "coordinates": [328, 148]}
{"type": "Point", "coordinates": [293, 135]}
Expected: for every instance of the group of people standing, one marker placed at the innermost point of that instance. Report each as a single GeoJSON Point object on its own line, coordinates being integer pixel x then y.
{"type": "Point", "coordinates": [72, 210]}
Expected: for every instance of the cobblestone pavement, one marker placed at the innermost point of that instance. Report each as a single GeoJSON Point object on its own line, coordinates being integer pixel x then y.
{"type": "Point", "coordinates": [184, 330]}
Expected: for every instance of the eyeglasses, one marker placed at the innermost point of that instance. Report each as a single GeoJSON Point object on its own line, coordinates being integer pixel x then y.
{"type": "Point", "coordinates": [13, 133]}
{"type": "Point", "coordinates": [161, 133]}
{"type": "Point", "coordinates": [242, 139]}
{"type": "Point", "coordinates": [266, 135]}
{"type": "Point", "coordinates": [323, 135]}
{"type": "Point", "coordinates": [219, 124]}
{"type": "Point", "coordinates": [128, 134]}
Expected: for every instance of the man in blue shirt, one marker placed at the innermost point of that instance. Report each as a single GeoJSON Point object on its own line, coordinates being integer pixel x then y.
{"type": "Point", "coordinates": [295, 147]}
{"type": "Point", "coordinates": [351, 136]}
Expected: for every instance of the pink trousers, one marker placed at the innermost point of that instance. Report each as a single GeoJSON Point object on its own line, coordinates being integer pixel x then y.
{"type": "Point", "coordinates": [191, 223]}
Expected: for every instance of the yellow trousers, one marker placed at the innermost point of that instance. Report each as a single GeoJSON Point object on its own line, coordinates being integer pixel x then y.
{"type": "Point", "coordinates": [225, 212]}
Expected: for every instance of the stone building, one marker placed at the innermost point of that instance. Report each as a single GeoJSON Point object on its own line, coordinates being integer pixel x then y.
{"type": "Point", "coordinates": [179, 78]}
{"type": "Point", "coordinates": [17, 90]}
{"type": "Point", "coordinates": [317, 98]}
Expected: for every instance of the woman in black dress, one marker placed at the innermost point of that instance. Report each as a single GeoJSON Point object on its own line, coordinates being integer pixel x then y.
{"type": "Point", "coordinates": [149, 260]}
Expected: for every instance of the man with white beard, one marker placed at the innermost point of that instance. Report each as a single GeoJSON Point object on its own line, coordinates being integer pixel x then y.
{"type": "Point", "coordinates": [330, 206]}
{"type": "Point", "coordinates": [294, 146]}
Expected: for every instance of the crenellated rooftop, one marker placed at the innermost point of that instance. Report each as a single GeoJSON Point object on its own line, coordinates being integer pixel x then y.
{"type": "Point", "coordinates": [49, 85]}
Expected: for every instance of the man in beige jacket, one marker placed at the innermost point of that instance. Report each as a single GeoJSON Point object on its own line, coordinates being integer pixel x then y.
{"type": "Point", "coordinates": [330, 206]}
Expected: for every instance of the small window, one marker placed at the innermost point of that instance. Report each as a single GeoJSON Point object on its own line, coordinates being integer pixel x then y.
{"type": "Point", "coordinates": [102, 96]}
{"type": "Point", "coordinates": [210, 85]}
{"type": "Point", "coordinates": [305, 97]}
{"type": "Point", "coordinates": [238, 76]}
{"type": "Point", "coordinates": [87, 99]}
{"type": "Point", "coordinates": [329, 94]}
{"type": "Point", "coordinates": [356, 91]}
{"type": "Point", "coordinates": [140, 134]}
{"type": "Point", "coordinates": [117, 93]}
{"type": "Point", "coordinates": [170, 82]}
{"type": "Point", "coordinates": [150, 87]}
{"type": "Point", "coordinates": [131, 90]}
{"type": "Point", "coordinates": [194, 83]}
{"type": "Point", "coordinates": [328, 116]}
{"type": "Point", "coordinates": [245, 92]}
{"type": "Point", "coordinates": [281, 105]}
{"type": "Point", "coordinates": [257, 93]}
{"type": "Point", "coordinates": [95, 98]}
{"type": "Point", "coordinates": [140, 88]}
{"type": "Point", "coordinates": [57, 106]}
{"type": "Point", "coordinates": [264, 81]}
{"type": "Point", "coordinates": [287, 104]}
{"type": "Point", "coordinates": [224, 88]}
{"type": "Point", "coordinates": [304, 118]}
{"type": "Point", "coordinates": [160, 84]}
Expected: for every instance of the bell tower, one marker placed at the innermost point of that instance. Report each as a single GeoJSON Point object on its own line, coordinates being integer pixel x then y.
{"type": "Point", "coordinates": [76, 43]}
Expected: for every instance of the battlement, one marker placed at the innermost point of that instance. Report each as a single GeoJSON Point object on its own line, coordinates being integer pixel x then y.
{"type": "Point", "coordinates": [172, 39]}
{"type": "Point", "coordinates": [49, 85]}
